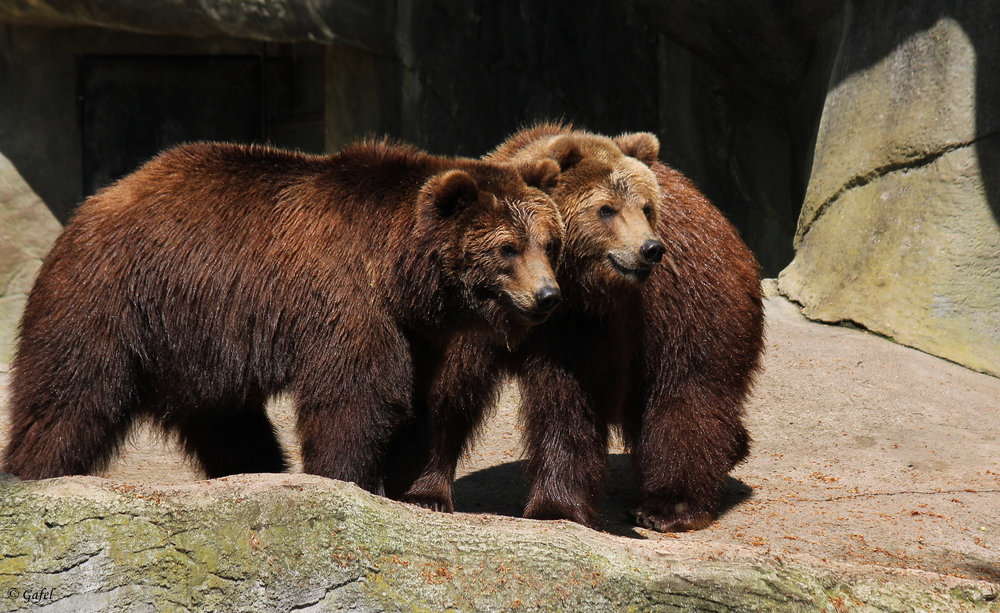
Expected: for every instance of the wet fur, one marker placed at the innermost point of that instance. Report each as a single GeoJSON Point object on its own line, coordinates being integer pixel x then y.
{"type": "Point", "coordinates": [218, 275]}
{"type": "Point", "coordinates": [669, 361]}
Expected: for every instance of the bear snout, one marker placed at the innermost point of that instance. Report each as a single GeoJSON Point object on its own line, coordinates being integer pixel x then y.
{"type": "Point", "coordinates": [547, 298]}
{"type": "Point", "coordinates": [534, 307]}
{"type": "Point", "coordinates": [652, 251]}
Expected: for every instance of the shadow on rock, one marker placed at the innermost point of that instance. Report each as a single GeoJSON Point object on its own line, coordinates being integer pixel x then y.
{"type": "Point", "coordinates": [500, 490]}
{"type": "Point", "coordinates": [503, 490]}
{"type": "Point", "coordinates": [734, 493]}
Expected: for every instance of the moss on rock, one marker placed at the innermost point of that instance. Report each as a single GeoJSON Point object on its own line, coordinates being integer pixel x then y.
{"type": "Point", "coordinates": [278, 542]}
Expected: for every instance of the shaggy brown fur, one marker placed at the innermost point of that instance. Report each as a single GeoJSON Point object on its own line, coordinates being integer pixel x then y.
{"type": "Point", "coordinates": [217, 275]}
{"type": "Point", "coordinates": [453, 404]}
{"type": "Point", "coordinates": [665, 352]}
{"type": "Point", "coordinates": [702, 339]}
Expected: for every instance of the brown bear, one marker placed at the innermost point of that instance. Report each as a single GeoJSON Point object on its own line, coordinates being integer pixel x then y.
{"type": "Point", "coordinates": [217, 275]}
{"type": "Point", "coordinates": [660, 335]}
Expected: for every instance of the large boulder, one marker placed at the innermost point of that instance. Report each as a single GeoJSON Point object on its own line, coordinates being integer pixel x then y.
{"type": "Point", "coordinates": [27, 230]}
{"type": "Point", "coordinates": [899, 229]}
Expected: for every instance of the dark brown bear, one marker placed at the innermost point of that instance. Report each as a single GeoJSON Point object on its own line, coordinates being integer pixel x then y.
{"type": "Point", "coordinates": [660, 334]}
{"type": "Point", "coordinates": [217, 275]}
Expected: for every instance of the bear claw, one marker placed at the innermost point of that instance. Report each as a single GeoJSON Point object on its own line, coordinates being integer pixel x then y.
{"type": "Point", "coordinates": [682, 520]}
{"type": "Point", "coordinates": [429, 502]}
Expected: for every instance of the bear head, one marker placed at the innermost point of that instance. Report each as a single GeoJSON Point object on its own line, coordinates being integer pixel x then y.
{"type": "Point", "coordinates": [609, 199]}
{"type": "Point", "coordinates": [504, 241]}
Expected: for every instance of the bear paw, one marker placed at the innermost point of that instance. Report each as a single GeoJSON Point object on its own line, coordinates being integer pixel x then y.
{"type": "Point", "coordinates": [434, 503]}
{"type": "Point", "coordinates": [671, 516]}
{"type": "Point", "coordinates": [550, 509]}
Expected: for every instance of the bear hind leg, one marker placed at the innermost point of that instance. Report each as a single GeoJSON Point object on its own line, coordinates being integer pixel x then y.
{"type": "Point", "coordinates": [42, 448]}
{"type": "Point", "coordinates": [67, 424]}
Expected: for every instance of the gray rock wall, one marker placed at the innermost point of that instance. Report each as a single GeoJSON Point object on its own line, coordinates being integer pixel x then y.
{"type": "Point", "coordinates": [27, 230]}
{"type": "Point", "coordinates": [458, 76]}
{"type": "Point", "coordinates": [900, 227]}
{"type": "Point", "coordinates": [39, 123]}
{"type": "Point", "coordinates": [40, 152]}
{"type": "Point", "coordinates": [368, 24]}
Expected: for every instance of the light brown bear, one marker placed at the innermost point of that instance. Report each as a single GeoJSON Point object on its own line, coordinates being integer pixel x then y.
{"type": "Point", "coordinates": [660, 335]}
{"type": "Point", "coordinates": [217, 275]}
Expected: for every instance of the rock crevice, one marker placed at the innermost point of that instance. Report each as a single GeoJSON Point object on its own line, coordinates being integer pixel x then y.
{"type": "Point", "coordinates": [910, 163]}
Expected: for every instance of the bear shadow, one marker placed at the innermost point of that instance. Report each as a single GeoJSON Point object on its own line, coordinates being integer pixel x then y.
{"type": "Point", "coordinates": [503, 490]}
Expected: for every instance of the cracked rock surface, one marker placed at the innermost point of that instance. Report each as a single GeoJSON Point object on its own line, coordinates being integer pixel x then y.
{"type": "Point", "coordinates": [872, 485]}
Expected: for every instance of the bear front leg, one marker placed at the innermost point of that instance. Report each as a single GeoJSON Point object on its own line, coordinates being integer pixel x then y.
{"type": "Point", "coordinates": [458, 399]}
{"type": "Point", "coordinates": [669, 514]}
{"type": "Point", "coordinates": [566, 445]}
{"type": "Point", "coordinates": [453, 425]}
{"type": "Point", "coordinates": [229, 440]}
{"type": "Point", "coordinates": [435, 487]}
{"type": "Point", "coordinates": [683, 450]}
{"type": "Point", "coordinates": [351, 398]}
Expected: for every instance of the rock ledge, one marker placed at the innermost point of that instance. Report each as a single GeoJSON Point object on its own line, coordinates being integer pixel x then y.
{"type": "Point", "coordinates": [281, 542]}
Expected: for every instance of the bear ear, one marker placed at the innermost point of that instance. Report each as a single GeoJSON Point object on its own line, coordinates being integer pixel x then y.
{"type": "Point", "coordinates": [565, 151]}
{"type": "Point", "coordinates": [643, 146]}
{"type": "Point", "coordinates": [453, 192]}
{"type": "Point", "coordinates": [541, 174]}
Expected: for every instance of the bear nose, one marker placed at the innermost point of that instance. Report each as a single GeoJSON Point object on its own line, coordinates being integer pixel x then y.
{"type": "Point", "coordinates": [652, 250]}
{"type": "Point", "coordinates": [548, 298]}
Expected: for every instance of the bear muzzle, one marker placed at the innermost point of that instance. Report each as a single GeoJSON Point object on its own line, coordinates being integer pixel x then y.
{"type": "Point", "coordinates": [635, 271]}
{"type": "Point", "coordinates": [652, 251]}
{"type": "Point", "coordinates": [545, 300]}
{"type": "Point", "coordinates": [636, 264]}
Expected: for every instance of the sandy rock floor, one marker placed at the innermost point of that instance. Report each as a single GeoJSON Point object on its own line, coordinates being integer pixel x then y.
{"type": "Point", "coordinates": [865, 452]}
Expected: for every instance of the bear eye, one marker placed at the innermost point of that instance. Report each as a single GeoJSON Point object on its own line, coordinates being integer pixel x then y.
{"type": "Point", "coordinates": [607, 212]}
{"type": "Point", "coordinates": [648, 211]}
{"type": "Point", "coordinates": [550, 249]}
{"type": "Point", "coordinates": [508, 251]}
